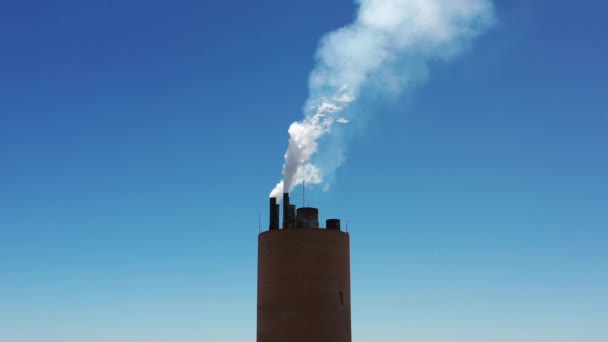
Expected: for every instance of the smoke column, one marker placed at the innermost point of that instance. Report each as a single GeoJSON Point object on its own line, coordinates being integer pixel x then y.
{"type": "Point", "coordinates": [387, 49]}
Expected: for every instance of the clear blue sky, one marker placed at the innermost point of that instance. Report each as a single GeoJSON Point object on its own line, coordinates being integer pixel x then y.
{"type": "Point", "coordinates": [140, 139]}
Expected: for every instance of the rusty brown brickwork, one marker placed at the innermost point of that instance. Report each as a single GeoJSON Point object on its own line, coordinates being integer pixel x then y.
{"type": "Point", "coordinates": [303, 286]}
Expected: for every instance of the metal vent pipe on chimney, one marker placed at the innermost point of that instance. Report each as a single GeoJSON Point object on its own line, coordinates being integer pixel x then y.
{"type": "Point", "coordinates": [285, 210]}
{"type": "Point", "coordinates": [274, 220]}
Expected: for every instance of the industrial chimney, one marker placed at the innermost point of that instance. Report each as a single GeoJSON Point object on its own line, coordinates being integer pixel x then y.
{"type": "Point", "coordinates": [274, 214]}
{"type": "Point", "coordinates": [303, 278]}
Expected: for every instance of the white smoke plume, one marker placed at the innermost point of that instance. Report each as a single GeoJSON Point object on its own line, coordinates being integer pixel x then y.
{"type": "Point", "coordinates": [385, 50]}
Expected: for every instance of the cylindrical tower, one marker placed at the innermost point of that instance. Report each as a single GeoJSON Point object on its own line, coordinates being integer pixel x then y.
{"type": "Point", "coordinates": [304, 285]}
{"type": "Point", "coordinates": [307, 218]}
